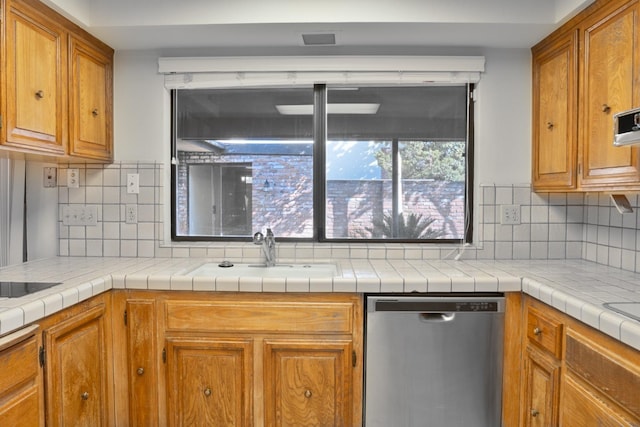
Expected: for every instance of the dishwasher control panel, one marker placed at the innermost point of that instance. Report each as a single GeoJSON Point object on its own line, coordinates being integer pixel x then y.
{"type": "Point", "coordinates": [436, 304]}
{"type": "Point", "coordinates": [477, 306]}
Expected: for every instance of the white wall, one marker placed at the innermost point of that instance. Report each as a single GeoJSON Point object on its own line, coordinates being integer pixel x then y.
{"type": "Point", "coordinates": [503, 114]}
{"type": "Point", "coordinates": [42, 213]}
{"type": "Point", "coordinates": [11, 209]}
{"type": "Point", "coordinates": [503, 118]}
{"type": "Point", "coordinates": [142, 119]}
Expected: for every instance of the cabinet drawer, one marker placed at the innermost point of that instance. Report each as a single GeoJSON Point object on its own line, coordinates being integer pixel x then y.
{"type": "Point", "coordinates": [19, 363]}
{"type": "Point", "coordinates": [615, 379]}
{"type": "Point", "coordinates": [260, 316]}
{"type": "Point", "coordinates": [544, 331]}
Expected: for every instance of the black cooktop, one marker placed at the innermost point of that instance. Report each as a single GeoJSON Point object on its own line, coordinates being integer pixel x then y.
{"type": "Point", "coordinates": [19, 289]}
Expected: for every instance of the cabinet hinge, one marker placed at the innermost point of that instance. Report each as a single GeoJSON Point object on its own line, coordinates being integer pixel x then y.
{"type": "Point", "coordinates": [354, 358]}
{"type": "Point", "coordinates": [42, 356]}
{"type": "Point", "coordinates": [125, 318]}
{"type": "Point", "coordinates": [164, 355]}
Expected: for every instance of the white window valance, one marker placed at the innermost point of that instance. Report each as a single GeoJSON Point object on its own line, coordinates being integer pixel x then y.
{"type": "Point", "coordinates": [219, 72]}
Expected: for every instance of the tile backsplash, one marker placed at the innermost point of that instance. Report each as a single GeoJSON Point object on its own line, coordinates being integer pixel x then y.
{"type": "Point", "coordinates": [104, 186]}
{"type": "Point", "coordinates": [552, 226]}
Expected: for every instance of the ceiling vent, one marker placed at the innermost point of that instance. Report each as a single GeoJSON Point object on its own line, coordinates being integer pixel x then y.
{"type": "Point", "coordinates": [319, 39]}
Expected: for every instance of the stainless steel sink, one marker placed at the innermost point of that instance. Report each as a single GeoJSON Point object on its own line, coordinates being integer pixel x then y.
{"type": "Point", "coordinates": [629, 309]}
{"type": "Point", "coordinates": [302, 270]}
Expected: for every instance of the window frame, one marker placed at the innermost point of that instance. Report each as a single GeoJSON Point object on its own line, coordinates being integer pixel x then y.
{"type": "Point", "coordinates": [319, 182]}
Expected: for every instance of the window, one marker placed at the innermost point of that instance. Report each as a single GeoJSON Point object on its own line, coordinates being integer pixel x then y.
{"type": "Point", "coordinates": [332, 163]}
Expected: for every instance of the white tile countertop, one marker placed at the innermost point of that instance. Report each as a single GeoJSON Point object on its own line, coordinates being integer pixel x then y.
{"type": "Point", "coordinates": [576, 287]}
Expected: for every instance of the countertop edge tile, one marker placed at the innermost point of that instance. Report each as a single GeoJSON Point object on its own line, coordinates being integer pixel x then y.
{"type": "Point", "coordinates": [575, 287]}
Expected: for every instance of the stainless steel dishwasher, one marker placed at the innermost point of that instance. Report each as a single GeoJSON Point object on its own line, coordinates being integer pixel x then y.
{"type": "Point", "coordinates": [434, 361]}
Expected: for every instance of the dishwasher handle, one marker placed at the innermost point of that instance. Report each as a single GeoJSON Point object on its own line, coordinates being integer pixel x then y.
{"type": "Point", "coordinates": [437, 317]}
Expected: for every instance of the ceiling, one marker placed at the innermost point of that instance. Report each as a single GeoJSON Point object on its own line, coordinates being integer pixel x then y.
{"type": "Point", "coordinates": [276, 26]}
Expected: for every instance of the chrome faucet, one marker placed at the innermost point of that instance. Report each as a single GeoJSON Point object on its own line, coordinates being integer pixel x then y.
{"type": "Point", "coordinates": [268, 243]}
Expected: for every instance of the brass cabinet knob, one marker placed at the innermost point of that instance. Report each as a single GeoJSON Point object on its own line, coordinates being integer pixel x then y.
{"type": "Point", "coordinates": [40, 94]}
{"type": "Point", "coordinates": [207, 392]}
{"type": "Point", "coordinates": [549, 125]}
{"type": "Point", "coordinates": [85, 396]}
{"type": "Point", "coordinates": [95, 112]}
{"type": "Point", "coordinates": [140, 371]}
{"type": "Point", "coordinates": [537, 332]}
{"type": "Point", "coordinates": [307, 393]}
{"type": "Point", "coordinates": [606, 108]}
{"type": "Point", "coordinates": [535, 413]}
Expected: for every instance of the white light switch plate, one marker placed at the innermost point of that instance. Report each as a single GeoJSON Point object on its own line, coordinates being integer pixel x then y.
{"type": "Point", "coordinates": [133, 183]}
{"type": "Point", "coordinates": [79, 215]}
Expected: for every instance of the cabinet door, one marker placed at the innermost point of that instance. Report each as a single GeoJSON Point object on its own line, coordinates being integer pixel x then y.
{"type": "Point", "coordinates": [21, 391]}
{"type": "Point", "coordinates": [90, 101]}
{"type": "Point", "coordinates": [582, 408]}
{"type": "Point", "coordinates": [542, 378]}
{"type": "Point", "coordinates": [141, 363]}
{"type": "Point", "coordinates": [76, 371]}
{"type": "Point", "coordinates": [35, 83]}
{"type": "Point", "coordinates": [307, 383]}
{"type": "Point", "coordinates": [554, 115]}
{"type": "Point", "coordinates": [610, 85]}
{"type": "Point", "coordinates": [209, 382]}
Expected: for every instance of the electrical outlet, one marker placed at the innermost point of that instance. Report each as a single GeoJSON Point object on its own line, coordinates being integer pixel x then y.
{"type": "Point", "coordinates": [509, 214]}
{"type": "Point", "coordinates": [131, 214]}
{"type": "Point", "coordinates": [133, 183]}
{"type": "Point", "coordinates": [73, 178]}
{"type": "Point", "coordinates": [50, 177]}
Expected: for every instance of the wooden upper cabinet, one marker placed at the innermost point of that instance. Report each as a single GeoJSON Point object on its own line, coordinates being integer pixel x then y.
{"type": "Point", "coordinates": [583, 74]}
{"type": "Point", "coordinates": [610, 83]}
{"type": "Point", "coordinates": [57, 86]}
{"type": "Point", "coordinates": [554, 114]}
{"type": "Point", "coordinates": [90, 101]}
{"type": "Point", "coordinates": [35, 83]}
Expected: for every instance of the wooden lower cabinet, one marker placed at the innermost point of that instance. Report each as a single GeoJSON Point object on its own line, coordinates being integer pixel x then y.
{"type": "Point", "coordinates": [78, 370]}
{"type": "Point", "coordinates": [582, 408]}
{"type": "Point", "coordinates": [541, 383]}
{"type": "Point", "coordinates": [307, 383]}
{"type": "Point", "coordinates": [21, 387]}
{"type": "Point", "coordinates": [573, 375]}
{"type": "Point", "coordinates": [542, 341]}
{"type": "Point", "coordinates": [238, 359]}
{"type": "Point", "coordinates": [209, 382]}
{"type": "Point", "coordinates": [141, 361]}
